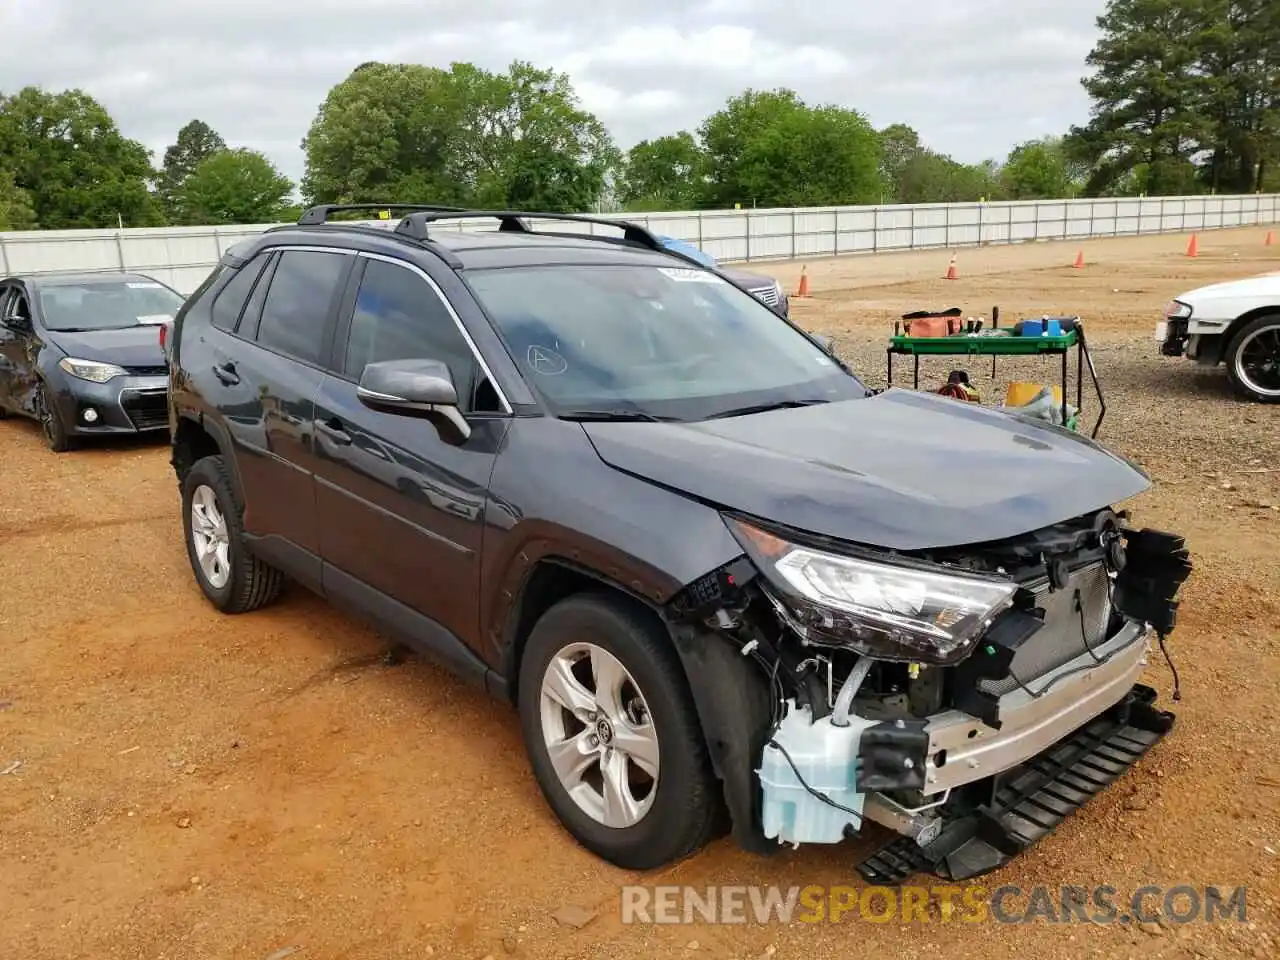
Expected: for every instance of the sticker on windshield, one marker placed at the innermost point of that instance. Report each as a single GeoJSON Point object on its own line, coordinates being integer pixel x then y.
{"type": "Point", "coordinates": [688, 276]}
{"type": "Point", "coordinates": [156, 318]}
{"type": "Point", "coordinates": [545, 361]}
{"type": "Point", "coordinates": [148, 285]}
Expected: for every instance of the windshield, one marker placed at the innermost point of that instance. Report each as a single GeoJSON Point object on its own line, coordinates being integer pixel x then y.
{"type": "Point", "coordinates": [107, 304]}
{"type": "Point", "coordinates": [668, 341]}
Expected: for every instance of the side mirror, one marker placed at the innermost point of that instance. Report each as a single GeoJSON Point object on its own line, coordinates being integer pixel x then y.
{"type": "Point", "coordinates": [415, 388]}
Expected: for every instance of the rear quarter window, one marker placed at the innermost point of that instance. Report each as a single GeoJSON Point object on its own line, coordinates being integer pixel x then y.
{"type": "Point", "coordinates": [230, 300]}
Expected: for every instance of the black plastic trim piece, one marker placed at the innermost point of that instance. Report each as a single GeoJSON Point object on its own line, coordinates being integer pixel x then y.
{"type": "Point", "coordinates": [734, 707]}
{"type": "Point", "coordinates": [990, 661]}
{"type": "Point", "coordinates": [894, 755]}
{"type": "Point", "coordinates": [1156, 564]}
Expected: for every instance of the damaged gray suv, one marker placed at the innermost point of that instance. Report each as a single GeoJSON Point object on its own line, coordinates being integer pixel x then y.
{"type": "Point", "coordinates": [727, 587]}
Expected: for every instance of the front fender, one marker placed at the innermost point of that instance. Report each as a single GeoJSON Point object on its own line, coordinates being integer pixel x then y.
{"type": "Point", "coordinates": [551, 496]}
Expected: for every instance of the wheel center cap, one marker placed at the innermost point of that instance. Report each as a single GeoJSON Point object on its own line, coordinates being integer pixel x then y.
{"type": "Point", "coordinates": [604, 730]}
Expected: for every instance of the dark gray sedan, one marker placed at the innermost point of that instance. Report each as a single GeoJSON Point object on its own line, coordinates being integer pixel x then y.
{"type": "Point", "coordinates": [81, 353]}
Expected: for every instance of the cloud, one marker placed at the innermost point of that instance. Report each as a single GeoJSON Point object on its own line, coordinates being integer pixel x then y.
{"type": "Point", "coordinates": [974, 77]}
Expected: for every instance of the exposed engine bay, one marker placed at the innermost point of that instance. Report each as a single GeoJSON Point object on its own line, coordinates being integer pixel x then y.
{"type": "Point", "coordinates": [967, 699]}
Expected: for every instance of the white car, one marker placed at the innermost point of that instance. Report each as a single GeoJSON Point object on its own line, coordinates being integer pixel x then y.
{"type": "Point", "coordinates": [1236, 323]}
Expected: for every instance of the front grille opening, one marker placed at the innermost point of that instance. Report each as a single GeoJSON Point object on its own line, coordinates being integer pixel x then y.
{"type": "Point", "coordinates": [146, 411]}
{"type": "Point", "coordinates": [1062, 638]}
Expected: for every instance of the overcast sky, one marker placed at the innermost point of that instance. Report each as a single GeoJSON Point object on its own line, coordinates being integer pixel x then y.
{"type": "Point", "coordinates": [974, 77]}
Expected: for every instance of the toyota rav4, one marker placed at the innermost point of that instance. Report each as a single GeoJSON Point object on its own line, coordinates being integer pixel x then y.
{"type": "Point", "coordinates": [726, 586]}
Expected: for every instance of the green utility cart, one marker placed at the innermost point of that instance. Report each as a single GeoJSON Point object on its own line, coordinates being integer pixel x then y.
{"type": "Point", "coordinates": [1004, 342]}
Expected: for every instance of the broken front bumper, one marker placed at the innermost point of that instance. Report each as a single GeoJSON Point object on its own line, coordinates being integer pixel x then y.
{"type": "Point", "coordinates": [962, 749]}
{"type": "Point", "coordinates": [1047, 729]}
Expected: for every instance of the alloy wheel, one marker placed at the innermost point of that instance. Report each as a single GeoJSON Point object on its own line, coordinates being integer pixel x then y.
{"type": "Point", "coordinates": [210, 538]}
{"type": "Point", "coordinates": [1257, 361]}
{"type": "Point", "coordinates": [599, 735]}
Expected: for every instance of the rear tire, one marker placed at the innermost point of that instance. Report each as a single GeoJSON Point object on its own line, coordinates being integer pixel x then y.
{"type": "Point", "coordinates": [637, 788]}
{"type": "Point", "coordinates": [232, 578]}
{"type": "Point", "coordinates": [1249, 347]}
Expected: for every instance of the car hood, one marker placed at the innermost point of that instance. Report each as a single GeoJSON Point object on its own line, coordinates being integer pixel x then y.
{"type": "Point", "coordinates": [1266, 285]}
{"type": "Point", "coordinates": [746, 278]}
{"type": "Point", "coordinates": [901, 470]}
{"type": "Point", "coordinates": [129, 347]}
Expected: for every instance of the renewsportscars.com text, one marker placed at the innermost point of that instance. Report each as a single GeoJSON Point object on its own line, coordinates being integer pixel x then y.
{"type": "Point", "coordinates": [969, 903]}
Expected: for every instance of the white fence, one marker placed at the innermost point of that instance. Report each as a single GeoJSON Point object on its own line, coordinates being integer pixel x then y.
{"type": "Point", "coordinates": [183, 256]}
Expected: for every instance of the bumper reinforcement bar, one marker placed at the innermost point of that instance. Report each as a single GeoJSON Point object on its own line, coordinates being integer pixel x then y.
{"type": "Point", "coordinates": [1029, 802]}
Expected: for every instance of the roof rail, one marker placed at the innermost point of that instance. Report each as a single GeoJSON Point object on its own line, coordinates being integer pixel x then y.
{"type": "Point", "coordinates": [321, 213]}
{"type": "Point", "coordinates": [415, 224]}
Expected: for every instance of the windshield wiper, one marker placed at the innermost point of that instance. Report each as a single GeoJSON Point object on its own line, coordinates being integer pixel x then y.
{"type": "Point", "coordinates": [616, 415]}
{"type": "Point", "coordinates": [764, 408]}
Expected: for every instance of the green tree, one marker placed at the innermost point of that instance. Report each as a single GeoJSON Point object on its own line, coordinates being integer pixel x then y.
{"type": "Point", "coordinates": [1041, 170]}
{"type": "Point", "coordinates": [899, 145]}
{"type": "Point", "coordinates": [666, 173]}
{"type": "Point", "coordinates": [16, 212]}
{"type": "Point", "coordinates": [234, 186]}
{"type": "Point", "coordinates": [196, 142]}
{"type": "Point", "coordinates": [66, 153]}
{"type": "Point", "coordinates": [1241, 59]}
{"type": "Point", "coordinates": [465, 136]}
{"type": "Point", "coordinates": [385, 134]}
{"type": "Point", "coordinates": [769, 148]}
{"type": "Point", "coordinates": [930, 177]}
{"type": "Point", "coordinates": [1151, 95]}
{"type": "Point", "coordinates": [526, 143]}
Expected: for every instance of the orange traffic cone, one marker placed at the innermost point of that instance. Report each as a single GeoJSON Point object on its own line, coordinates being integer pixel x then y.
{"type": "Point", "coordinates": [1271, 239]}
{"type": "Point", "coordinates": [1079, 264]}
{"type": "Point", "coordinates": [952, 274]}
{"type": "Point", "coordinates": [804, 283]}
{"type": "Point", "coordinates": [1193, 248]}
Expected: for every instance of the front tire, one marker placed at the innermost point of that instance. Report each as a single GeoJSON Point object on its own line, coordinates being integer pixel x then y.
{"type": "Point", "coordinates": [56, 436]}
{"type": "Point", "coordinates": [232, 578]}
{"type": "Point", "coordinates": [613, 736]}
{"type": "Point", "coordinates": [1253, 359]}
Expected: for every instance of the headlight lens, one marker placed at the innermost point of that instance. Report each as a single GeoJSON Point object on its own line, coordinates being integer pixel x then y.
{"type": "Point", "coordinates": [93, 370]}
{"type": "Point", "coordinates": [1177, 310]}
{"type": "Point", "coordinates": [883, 610]}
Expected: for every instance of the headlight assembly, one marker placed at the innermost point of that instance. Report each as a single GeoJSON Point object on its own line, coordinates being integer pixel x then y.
{"type": "Point", "coordinates": [92, 370]}
{"type": "Point", "coordinates": [889, 611]}
{"type": "Point", "coordinates": [1177, 310]}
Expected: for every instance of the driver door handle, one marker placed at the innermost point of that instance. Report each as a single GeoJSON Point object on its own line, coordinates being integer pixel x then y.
{"type": "Point", "coordinates": [332, 428]}
{"type": "Point", "coordinates": [226, 372]}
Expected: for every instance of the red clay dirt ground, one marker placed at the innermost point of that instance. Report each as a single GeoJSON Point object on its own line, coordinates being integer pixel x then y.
{"type": "Point", "coordinates": [194, 786]}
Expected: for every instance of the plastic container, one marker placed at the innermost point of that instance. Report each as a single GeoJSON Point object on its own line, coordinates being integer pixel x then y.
{"type": "Point", "coordinates": [827, 758]}
{"type": "Point", "coordinates": [1022, 392]}
{"type": "Point", "coordinates": [1030, 328]}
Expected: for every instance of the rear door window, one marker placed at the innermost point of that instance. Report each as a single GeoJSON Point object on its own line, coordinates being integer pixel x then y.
{"type": "Point", "coordinates": [296, 310]}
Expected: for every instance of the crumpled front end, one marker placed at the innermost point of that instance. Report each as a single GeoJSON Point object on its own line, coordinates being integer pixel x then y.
{"type": "Point", "coordinates": [968, 700]}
